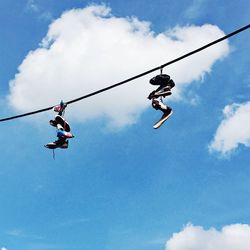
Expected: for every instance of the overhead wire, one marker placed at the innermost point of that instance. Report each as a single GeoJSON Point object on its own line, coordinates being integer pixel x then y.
{"type": "Point", "coordinates": [134, 77]}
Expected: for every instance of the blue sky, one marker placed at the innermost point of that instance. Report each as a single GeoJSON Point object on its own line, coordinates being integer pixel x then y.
{"type": "Point", "coordinates": [122, 184]}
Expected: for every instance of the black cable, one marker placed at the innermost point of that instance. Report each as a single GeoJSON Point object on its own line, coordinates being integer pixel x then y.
{"type": "Point", "coordinates": [134, 77]}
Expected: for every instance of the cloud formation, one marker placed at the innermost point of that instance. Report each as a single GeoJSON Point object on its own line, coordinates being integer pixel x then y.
{"type": "Point", "coordinates": [33, 7]}
{"type": "Point", "coordinates": [88, 49]}
{"type": "Point", "coordinates": [233, 130]}
{"type": "Point", "coordinates": [230, 237]}
{"type": "Point", "coordinates": [195, 9]}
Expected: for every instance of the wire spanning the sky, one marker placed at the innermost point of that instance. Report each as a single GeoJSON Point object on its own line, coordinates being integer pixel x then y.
{"type": "Point", "coordinates": [134, 77]}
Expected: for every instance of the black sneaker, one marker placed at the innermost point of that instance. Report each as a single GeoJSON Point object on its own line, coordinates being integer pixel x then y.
{"type": "Point", "coordinates": [167, 113]}
{"type": "Point", "coordinates": [164, 117]}
{"type": "Point", "coordinates": [53, 123]}
{"type": "Point", "coordinates": [65, 145]}
{"type": "Point", "coordinates": [56, 144]}
{"type": "Point", "coordinates": [163, 92]}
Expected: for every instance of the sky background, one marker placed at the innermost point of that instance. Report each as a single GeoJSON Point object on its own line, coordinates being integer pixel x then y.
{"type": "Point", "coordinates": [121, 184]}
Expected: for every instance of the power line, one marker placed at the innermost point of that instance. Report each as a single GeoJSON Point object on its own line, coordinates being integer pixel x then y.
{"type": "Point", "coordinates": [134, 77]}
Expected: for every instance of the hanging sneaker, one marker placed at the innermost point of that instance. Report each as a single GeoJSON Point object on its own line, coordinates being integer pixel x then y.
{"type": "Point", "coordinates": [65, 145]}
{"type": "Point", "coordinates": [167, 113]}
{"type": "Point", "coordinates": [53, 123]}
{"type": "Point", "coordinates": [164, 117]}
{"type": "Point", "coordinates": [162, 92]}
{"type": "Point", "coordinates": [56, 144]}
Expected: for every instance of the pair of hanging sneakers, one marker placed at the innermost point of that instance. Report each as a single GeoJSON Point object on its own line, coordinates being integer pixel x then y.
{"type": "Point", "coordinates": [63, 129]}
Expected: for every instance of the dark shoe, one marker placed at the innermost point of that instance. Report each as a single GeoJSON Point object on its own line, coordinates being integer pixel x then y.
{"type": "Point", "coordinates": [162, 92]}
{"type": "Point", "coordinates": [167, 113]}
{"type": "Point", "coordinates": [65, 145]}
{"type": "Point", "coordinates": [164, 117]}
{"type": "Point", "coordinates": [53, 123]}
{"type": "Point", "coordinates": [56, 144]}
{"type": "Point", "coordinates": [60, 120]}
{"type": "Point", "coordinates": [151, 95]}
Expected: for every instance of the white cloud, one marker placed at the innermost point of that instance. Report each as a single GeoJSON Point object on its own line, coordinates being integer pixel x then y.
{"type": "Point", "coordinates": [21, 234]}
{"type": "Point", "coordinates": [32, 6]}
{"type": "Point", "coordinates": [231, 237]}
{"type": "Point", "coordinates": [3, 248]}
{"type": "Point", "coordinates": [15, 232]}
{"type": "Point", "coordinates": [195, 9]}
{"type": "Point", "coordinates": [233, 130]}
{"type": "Point", "coordinates": [88, 49]}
